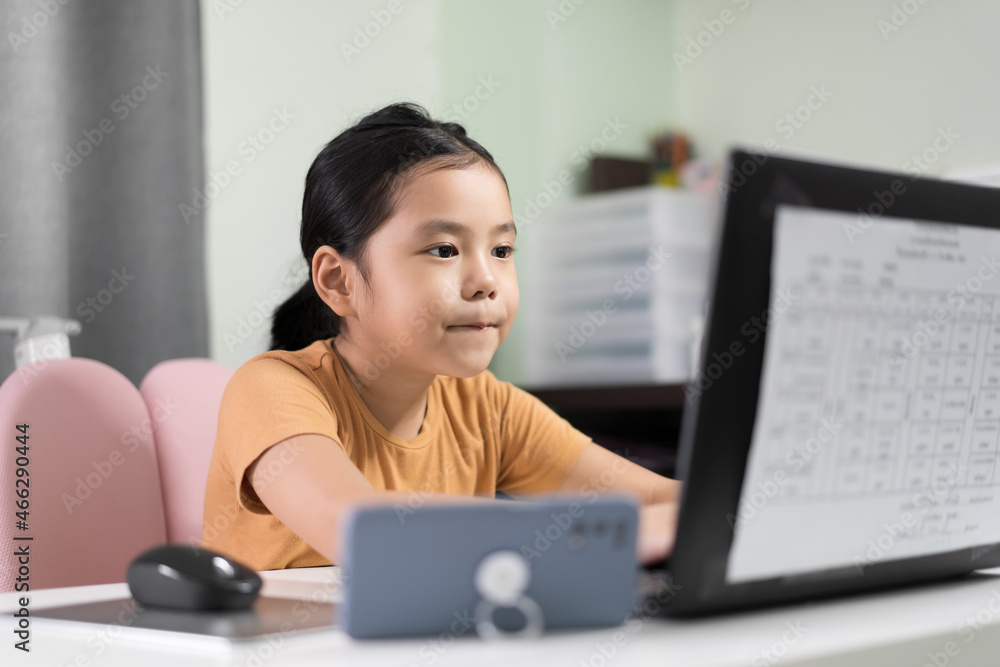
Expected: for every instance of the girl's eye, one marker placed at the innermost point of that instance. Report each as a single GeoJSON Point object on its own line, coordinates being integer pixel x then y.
{"type": "Point", "coordinates": [504, 251]}
{"type": "Point", "coordinates": [444, 251]}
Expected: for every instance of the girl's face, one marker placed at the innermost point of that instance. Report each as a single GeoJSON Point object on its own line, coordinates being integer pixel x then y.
{"type": "Point", "coordinates": [442, 290]}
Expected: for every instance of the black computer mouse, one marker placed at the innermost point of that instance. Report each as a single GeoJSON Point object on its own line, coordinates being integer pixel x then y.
{"type": "Point", "coordinates": [184, 576]}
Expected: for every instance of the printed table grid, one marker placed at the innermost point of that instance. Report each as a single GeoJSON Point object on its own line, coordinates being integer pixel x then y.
{"type": "Point", "coordinates": [912, 381]}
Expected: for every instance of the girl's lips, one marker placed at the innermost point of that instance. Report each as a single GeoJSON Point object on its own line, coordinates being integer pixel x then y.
{"type": "Point", "coordinates": [473, 325]}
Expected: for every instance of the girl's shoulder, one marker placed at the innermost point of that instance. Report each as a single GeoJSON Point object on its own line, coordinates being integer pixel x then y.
{"type": "Point", "coordinates": [268, 366]}
{"type": "Point", "coordinates": [311, 356]}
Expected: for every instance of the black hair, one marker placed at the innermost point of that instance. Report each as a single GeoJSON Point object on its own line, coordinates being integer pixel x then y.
{"type": "Point", "coordinates": [351, 189]}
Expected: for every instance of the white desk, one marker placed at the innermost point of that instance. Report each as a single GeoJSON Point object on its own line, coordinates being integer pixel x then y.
{"type": "Point", "coordinates": [900, 627]}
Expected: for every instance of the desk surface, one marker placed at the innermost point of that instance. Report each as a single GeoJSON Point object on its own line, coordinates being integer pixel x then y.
{"type": "Point", "coordinates": [942, 624]}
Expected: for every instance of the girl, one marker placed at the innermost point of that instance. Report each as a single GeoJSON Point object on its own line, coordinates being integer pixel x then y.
{"type": "Point", "coordinates": [375, 389]}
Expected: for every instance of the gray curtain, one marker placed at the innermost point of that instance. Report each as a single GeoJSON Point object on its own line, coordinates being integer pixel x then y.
{"type": "Point", "coordinates": [100, 145]}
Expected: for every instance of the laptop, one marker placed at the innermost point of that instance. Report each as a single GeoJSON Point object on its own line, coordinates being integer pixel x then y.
{"type": "Point", "coordinates": [841, 431]}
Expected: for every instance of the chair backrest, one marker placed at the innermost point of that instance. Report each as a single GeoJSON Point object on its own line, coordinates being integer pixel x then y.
{"type": "Point", "coordinates": [92, 484]}
{"type": "Point", "coordinates": [183, 397]}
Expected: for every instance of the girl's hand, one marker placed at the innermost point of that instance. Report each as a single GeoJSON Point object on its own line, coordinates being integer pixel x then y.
{"type": "Point", "coordinates": [657, 530]}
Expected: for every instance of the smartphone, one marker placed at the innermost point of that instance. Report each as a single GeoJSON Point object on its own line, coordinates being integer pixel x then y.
{"type": "Point", "coordinates": [505, 569]}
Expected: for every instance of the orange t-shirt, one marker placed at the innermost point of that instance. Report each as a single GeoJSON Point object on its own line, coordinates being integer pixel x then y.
{"type": "Point", "coordinates": [479, 435]}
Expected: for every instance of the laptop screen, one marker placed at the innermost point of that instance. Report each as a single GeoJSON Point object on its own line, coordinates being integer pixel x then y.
{"type": "Point", "coordinates": [878, 414]}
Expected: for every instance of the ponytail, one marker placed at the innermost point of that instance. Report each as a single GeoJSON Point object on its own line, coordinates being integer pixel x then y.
{"type": "Point", "coordinates": [351, 190]}
{"type": "Point", "coordinates": [303, 319]}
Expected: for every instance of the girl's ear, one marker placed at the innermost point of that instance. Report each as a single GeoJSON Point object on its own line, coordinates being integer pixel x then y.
{"type": "Point", "coordinates": [334, 280]}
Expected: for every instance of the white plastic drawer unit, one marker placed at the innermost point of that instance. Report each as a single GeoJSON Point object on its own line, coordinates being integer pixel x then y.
{"type": "Point", "coordinates": [615, 285]}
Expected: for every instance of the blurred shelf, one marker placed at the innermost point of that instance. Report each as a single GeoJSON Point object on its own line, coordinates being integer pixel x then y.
{"type": "Point", "coordinates": [637, 397]}
{"type": "Point", "coordinates": [639, 422]}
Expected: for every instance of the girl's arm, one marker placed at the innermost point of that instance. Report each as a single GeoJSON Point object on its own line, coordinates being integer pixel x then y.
{"type": "Point", "coordinates": [601, 470]}
{"type": "Point", "coordinates": [293, 480]}
{"type": "Point", "coordinates": [308, 482]}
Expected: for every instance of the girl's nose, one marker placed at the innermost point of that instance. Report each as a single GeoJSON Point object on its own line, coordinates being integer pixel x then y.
{"type": "Point", "coordinates": [480, 282]}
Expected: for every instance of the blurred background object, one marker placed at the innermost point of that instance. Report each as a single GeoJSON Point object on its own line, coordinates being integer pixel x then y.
{"type": "Point", "coordinates": [618, 292]}
{"type": "Point", "coordinates": [671, 151]}
{"type": "Point", "coordinates": [39, 338]}
{"type": "Point", "coordinates": [612, 173]}
{"type": "Point", "coordinates": [100, 137]}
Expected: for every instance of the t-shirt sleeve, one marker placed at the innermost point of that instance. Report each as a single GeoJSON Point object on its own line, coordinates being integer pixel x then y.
{"type": "Point", "coordinates": [267, 401]}
{"type": "Point", "coordinates": [538, 447]}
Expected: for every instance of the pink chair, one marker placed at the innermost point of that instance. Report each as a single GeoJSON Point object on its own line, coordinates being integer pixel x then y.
{"type": "Point", "coordinates": [183, 396]}
{"type": "Point", "coordinates": [94, 500]}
